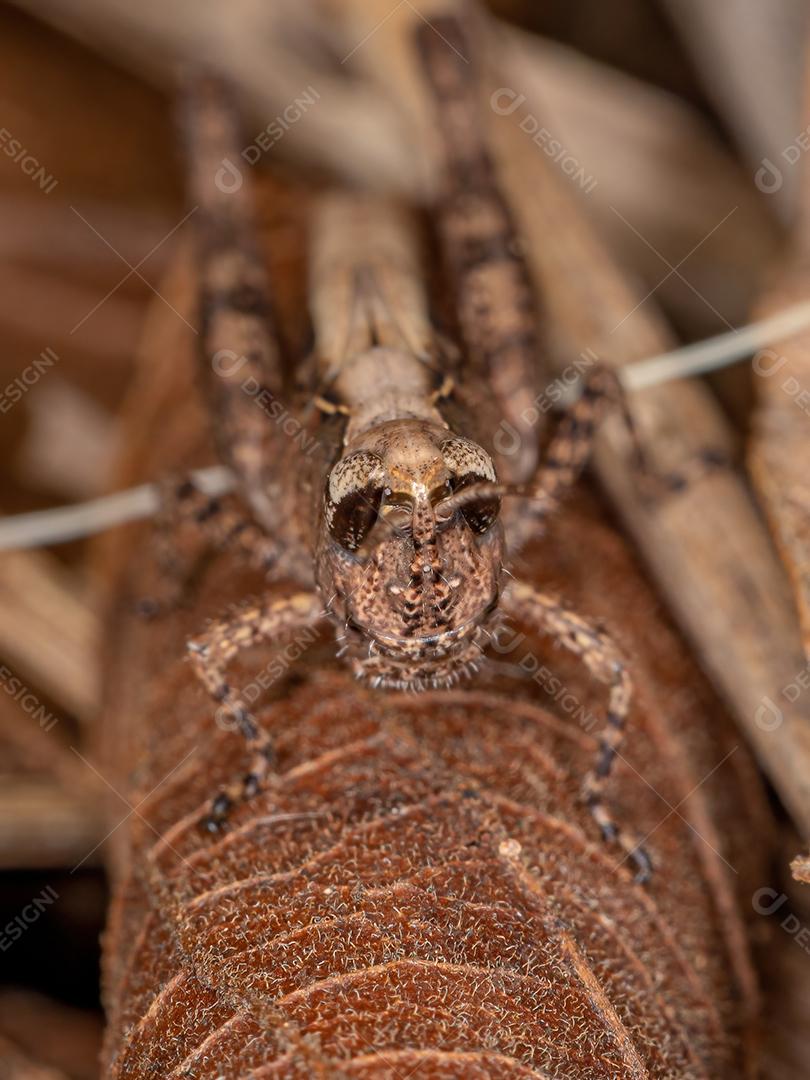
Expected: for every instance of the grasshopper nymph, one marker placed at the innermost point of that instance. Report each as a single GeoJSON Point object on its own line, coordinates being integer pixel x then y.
{"type": "Point", "coordinates": [394, 529]}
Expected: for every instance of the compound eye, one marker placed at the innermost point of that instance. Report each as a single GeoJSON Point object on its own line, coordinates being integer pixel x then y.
{"type": "Point", "coordinates": [354, 492]}
{"type": "Point", "coordinates": [471, 464]}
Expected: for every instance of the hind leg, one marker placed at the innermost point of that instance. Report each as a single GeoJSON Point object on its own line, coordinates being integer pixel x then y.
{"type": "Point", "coordinates": [601, 657]}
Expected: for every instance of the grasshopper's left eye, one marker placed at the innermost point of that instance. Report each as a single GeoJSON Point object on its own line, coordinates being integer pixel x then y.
{"type": "Point", "coordinates": [471, 464]}
{"type": "Point", "coordinates": [354, 492]}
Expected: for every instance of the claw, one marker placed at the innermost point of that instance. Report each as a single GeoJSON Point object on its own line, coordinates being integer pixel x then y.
{"type": "Point", "coordinates": [644, 864]}
{"type": "Point", "coordinates": [214, 821]}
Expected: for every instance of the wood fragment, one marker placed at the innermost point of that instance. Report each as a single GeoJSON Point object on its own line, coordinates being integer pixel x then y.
{"type": "Point", "coordinates": [44, 826]}
{"type": "Point", "coordinates": [48, 632]}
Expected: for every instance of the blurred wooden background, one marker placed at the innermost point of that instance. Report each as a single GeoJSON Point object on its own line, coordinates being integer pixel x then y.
{"type": "Point", "coordinates": [656, 100]}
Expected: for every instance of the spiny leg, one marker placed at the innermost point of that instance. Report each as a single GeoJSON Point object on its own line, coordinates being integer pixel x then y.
{"type": "Point", "coordinates": [569, 451]}
{"type": "Point", "coordinates": [239, 344]}
{"type": "Point", "coordinates": [216, 523]}
{"type": "Point", "coordinates": [562, 465]}
{"type": "Point", "coordinates": [210, 654]}
{"type": "Point", "coordinates": [239, 356]}
{"type": "Point", "coordinates": [479, 243]}
{"type": "Point", "coordinates": [601, 657]}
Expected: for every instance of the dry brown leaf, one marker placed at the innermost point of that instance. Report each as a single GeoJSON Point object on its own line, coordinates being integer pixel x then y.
{"type": "Point", "coordinates": [421, 889]}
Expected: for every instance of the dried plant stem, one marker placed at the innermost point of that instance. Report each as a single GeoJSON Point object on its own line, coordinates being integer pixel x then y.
{"type": "Point", "coordinates": [706, 547]}
{"type": "Point", "coordinates": [780, 444]}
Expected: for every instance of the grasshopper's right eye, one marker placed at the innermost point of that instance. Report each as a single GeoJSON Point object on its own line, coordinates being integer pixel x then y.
{"type": "Point", "coordinates": [354, 492]}
{"type": "Point", "coordinates": [470, 464]}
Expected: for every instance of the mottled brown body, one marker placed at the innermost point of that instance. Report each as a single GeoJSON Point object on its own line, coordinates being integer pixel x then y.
{"type": "Point", "coordinates": [392, 526]}
{"type": "Point", "coordinates": [409, 589]}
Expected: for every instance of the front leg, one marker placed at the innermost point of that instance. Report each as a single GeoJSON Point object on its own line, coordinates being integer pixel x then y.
{"type": "Point", "coordinates": [210, 654]}
{"type": "Point", "coordinates": [568, 453]}
{"type": "Point", "coordinates": [602, 658]}
{"type": "Point", "coordinates": [570, 449]}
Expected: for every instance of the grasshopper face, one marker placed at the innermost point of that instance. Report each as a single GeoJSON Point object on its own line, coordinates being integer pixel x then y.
{"type": "Point", "coordinates": [412, 586]}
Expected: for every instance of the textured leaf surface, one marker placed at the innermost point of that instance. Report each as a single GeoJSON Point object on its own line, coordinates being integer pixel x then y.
{"type": "Point", "coordinates": [420, 893]}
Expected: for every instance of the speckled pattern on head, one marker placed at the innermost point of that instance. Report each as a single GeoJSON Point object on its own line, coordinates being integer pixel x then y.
{"type": "Point", "coordinates": [411, 590]}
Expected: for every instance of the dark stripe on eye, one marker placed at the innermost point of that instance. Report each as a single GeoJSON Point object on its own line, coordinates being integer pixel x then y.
{"type": "Point", "coordinates": [479, 515]}
{"type": "Point", "coordinates": [351, 520]}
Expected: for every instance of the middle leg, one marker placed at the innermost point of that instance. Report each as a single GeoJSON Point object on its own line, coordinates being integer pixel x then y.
{"type": "Point", "coordinates": [190, 526]}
